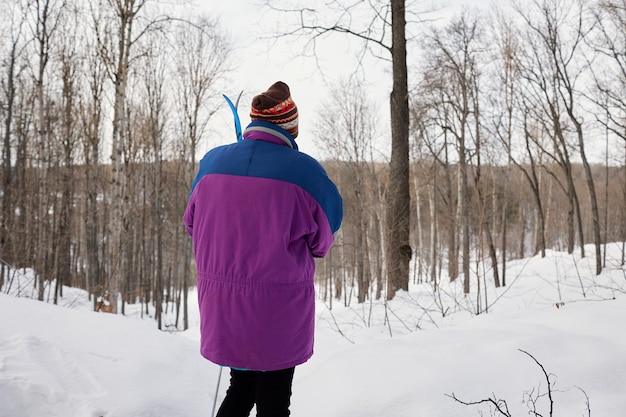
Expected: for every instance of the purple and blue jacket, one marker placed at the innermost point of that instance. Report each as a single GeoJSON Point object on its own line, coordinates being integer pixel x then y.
{"type": "Point", "coordinates": [259, 213]}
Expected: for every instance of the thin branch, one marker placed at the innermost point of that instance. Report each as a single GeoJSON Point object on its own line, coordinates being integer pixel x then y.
{"type": "Point", "coordinates": [547, 376]}
{"type": "Point", "coordinates": [500, 405]}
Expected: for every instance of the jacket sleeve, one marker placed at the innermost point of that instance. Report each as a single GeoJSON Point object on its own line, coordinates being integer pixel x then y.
{"type": "Point", "coordinates": [328, 216]}
{"type": "Point", "coordinates": [321, 240]}
{"type": "Point", "coordinates": [189, 212]}
{"type": "Point", "coordinates": [334, 208]}
{"type": "Point", "coordinates": [191, 205]}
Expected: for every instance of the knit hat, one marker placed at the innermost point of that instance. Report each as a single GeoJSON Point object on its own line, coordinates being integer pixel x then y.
{"type": "Point", "coordinates": [276, 106]}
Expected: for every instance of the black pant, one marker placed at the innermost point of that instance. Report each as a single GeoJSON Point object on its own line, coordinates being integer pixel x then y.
{"type": "Point", "coordinates": [269, 390]}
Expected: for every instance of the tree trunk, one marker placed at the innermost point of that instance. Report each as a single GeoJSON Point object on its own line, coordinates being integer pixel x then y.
{"type": "Point", "coordinates": [595, 212]}
{"type": "Point", "coordinates": [453, 246]}
{"type": "Point", "coordinates": [433, 230]}
{"type": "Point", "coordinates": [8, 208]}
{"type": "Point", "coordinates": [399, 200]}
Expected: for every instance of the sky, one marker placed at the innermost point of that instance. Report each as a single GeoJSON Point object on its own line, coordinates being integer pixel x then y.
{"type": "Point", "coordinates": [258, 65]}
{"type": "Point", "coordinates": [261, 61]}
{"type": "Point", "coordinates": [400, 359]}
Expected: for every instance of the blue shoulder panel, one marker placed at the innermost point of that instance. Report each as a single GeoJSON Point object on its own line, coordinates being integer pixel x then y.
{"type": "Point", "coordinates": [255, 158]}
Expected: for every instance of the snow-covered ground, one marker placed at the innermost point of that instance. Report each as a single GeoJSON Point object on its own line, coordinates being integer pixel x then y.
{"type": "Point", "coordinates": [66, 361]}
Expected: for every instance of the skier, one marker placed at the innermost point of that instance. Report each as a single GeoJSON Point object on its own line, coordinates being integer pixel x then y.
{"type": "Point", "coordinates": [260, 211]}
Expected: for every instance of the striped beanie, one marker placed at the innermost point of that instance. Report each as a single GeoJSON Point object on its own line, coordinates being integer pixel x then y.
{"type": "Point", "coordinates": [276, 106]}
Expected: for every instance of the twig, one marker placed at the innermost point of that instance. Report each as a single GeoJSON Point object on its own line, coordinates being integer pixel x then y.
{"type": "Point", "coordinates": [586, 401]}
{"type": "Point", "coordinates": [580, 279]}
{"type": "Point", "coordinates": [500, 405]}
{"type": "Point", "coordinates": [399, 318]}
{"type": "Point", "coordinates": [547, 376]}
{"type": "Point", "coordinates": [337, 325]}
{"type": "Point", "coordinates": [387, 319]}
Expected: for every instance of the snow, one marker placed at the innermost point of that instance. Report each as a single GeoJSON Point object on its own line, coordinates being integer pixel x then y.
{"type": "Point", "coordinates": [67, 361]}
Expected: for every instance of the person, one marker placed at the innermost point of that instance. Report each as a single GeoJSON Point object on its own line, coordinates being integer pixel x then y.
{"type": "Point", "coordinates": [260, 211]}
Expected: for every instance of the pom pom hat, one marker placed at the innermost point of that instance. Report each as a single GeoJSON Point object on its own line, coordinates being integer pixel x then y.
{"type": "Point", "coordinates": [276, 106]}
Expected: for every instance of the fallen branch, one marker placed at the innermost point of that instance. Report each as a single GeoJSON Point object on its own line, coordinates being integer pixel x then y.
{"type": "Point", "coordinates": [500, 407]}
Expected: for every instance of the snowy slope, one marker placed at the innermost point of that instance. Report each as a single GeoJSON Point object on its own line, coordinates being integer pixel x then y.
{"type": "Point", "coordinates": [61, 362]}
{"type": "Point", "coordinates": [70, 362]}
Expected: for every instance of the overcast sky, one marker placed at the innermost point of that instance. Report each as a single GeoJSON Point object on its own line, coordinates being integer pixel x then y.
{"type": "Point", "coordinates": [258, 66]}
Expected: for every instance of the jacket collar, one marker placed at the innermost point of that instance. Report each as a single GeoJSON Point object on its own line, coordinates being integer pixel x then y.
{"type": "Point", "coordinates": [269, 132]}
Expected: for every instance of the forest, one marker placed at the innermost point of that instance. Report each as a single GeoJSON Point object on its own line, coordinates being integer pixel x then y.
{"type": "Point", "coordinates": [517, 144]}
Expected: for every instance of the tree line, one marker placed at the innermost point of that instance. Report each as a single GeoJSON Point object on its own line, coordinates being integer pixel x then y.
{"type": "Point", "coordinates": [104, 103]}
{"type": "Point", "coordinates": [506, 108]}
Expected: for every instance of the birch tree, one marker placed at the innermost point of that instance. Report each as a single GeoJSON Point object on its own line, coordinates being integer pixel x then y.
{"type": "Point", "coordinates": [120, 25]}
{"type": "Point", "coordinates": [91, 115]}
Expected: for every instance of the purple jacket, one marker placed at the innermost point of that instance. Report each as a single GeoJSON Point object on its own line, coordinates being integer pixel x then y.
{"type": "Point", "coordinates": [259, 213]}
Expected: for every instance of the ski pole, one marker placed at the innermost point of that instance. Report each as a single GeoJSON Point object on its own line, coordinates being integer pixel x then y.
{"type": "Point", "coordinates": [217, 389]}
{"type": "Point", "coordinates": [238, 134]}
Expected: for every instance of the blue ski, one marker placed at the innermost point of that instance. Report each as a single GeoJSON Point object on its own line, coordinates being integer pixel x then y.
{"type": "Point", "coordinates": [233, 108]}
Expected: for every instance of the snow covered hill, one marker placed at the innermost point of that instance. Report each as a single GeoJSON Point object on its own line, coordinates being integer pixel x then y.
{"type": "Point", "coordinates": [56, 361]}
{"type": "Point", "coordinates": [71, 362]}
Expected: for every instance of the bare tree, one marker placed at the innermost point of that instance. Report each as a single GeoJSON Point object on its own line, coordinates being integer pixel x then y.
{"type": "Point", "coordinates": [381, 26]}
{"type": "Point", "coordinates": [152, 118]}
{"type": "Point", "coordinates": [59, 214]}
{"type": "Point", "coordinates": [486, 205]}
{"type": "Point", "coordinates": [119, 26]}
{"type": "Point", "coordinates": [44, 21]}
{"type": "Point", "coordinates": [69, 67]}
{"type": "Point", "coordinates": [431, 113]}
{"type": "Point", "coordinates": [610, 42]}
{"type": "Point", "coordinates": [13, 31]}
{"type": "Point", "coordinates": [428, 165]}
{"type": "Point", "coordinates": [347, 128]}
{"type": "Point", "coordinates": [610, 80]}
{"type": "Point", "coordinates": [201, 65]}
{"type": "Point", "coordinates": [530, 171]}
{"type": "Point", "coordinates": [540, 91]}
{"type": "Point", "coordinates": [504, 107]}
{"type": "Point", "coordinates": [91, 119]}
{"type": "Point", "coordinates": [561, 45]}
{"type": "Point", "coordinates": [454, 59]}
{"type": "Point", "coordinates": [399, 250]}
{"type": "Point", "coordinates": [508, 109]}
